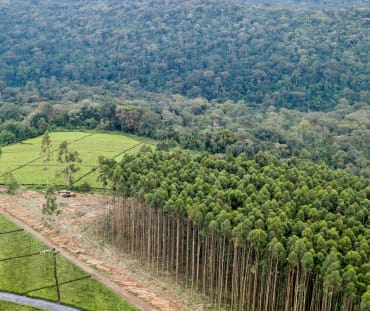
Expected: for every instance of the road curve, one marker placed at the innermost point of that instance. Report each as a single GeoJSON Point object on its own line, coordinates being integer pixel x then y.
{"type": "Point", "coordinates": [34, 302]}
{"type": "Point", "coordinates": [138, 303]}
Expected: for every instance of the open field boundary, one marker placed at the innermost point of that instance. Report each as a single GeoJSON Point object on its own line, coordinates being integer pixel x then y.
{"type": "Point", "coordinates": [30, 170]}
{"type": "Point", "coordinates": [42, 156]}
{"type": "Point", "coordinates": [91, 272]}
{"type": "Point", "coordinates": [96, 167]}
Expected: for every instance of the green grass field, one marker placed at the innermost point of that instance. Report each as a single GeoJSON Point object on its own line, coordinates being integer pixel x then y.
{"type": "Point", "coordinates": [27, 164]}
{"type": "Point", "coordinates": [27, 270]}
{"type": "Point", "coordinates": [10, 306]}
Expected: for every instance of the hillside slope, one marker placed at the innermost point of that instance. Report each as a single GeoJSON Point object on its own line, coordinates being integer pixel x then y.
{"type": "Point", "coordinates": [293, 56]}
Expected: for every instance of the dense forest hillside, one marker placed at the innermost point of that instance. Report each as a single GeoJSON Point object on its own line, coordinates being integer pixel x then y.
{"type": "Point", "coordinates": [340, 138]}
{"type": "Point", "coordinates": [292, 57]}
{"type": "Point", "coordinates": [252, 234]}
{"type": "Point", "coordinates": [269, 210]}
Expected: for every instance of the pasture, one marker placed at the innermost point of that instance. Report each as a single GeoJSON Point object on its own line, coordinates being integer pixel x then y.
{"type": "Point", "coordinates": [27, 164]}
{"type": "Point", "coordinates": [6, 306]}
{"type": "Point", "coordinates": [27, 267]}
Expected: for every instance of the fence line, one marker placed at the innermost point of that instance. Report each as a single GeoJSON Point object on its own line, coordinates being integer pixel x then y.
{"type": "Point", "coordinates": [62, 283]}
{"type": "Point", "coordinates": [96, 167]}
{"type": "Point", "coordinates": [22, 256]}
{"type": "Point", "coordinates": [13, 231]}
{"type": "Point", "coordinates": [42, 156]}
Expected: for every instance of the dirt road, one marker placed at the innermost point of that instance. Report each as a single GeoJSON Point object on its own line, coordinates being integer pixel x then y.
{"type": "Point", "coordinates": [132, 299]}
{"type": "Point", "coordinates": [122, 273]}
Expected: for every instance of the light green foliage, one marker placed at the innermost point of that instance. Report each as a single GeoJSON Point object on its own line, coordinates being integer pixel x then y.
{"type": "Point", "coordinates": [6, 225]}
{"type": "Point", "coordinates": [46, 151]}
{"type": "Point", "coordinates": [24, 274]}
{"type": "Point", "coordinates": [69, 159]}
{"type": "Point", "coordinates": [18, 244]}
{"type": "Point", "coordinates": [33, 273]}
{"type": "Point", "coordinates": [28, 166]}
{"type": "Point", "coordinates": [50, 206]}
{"type": "Point", "coordinates": [311, 220]}
{"type": "Point", "coordinates": [82, 294]}
{"type": "Point", "coordinates": [10, 182]}
{"type": "Point", "coordinates": [365, 300]}
{"type": "Point", "coordinates": [10, 306]}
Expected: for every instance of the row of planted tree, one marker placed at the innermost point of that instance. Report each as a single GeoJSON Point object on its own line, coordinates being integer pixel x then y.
{"type": "Point", "coordinates": [248, 234]}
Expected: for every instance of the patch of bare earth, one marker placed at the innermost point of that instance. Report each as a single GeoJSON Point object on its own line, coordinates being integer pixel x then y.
{"type": "Point", "coordinates": [72, 231]}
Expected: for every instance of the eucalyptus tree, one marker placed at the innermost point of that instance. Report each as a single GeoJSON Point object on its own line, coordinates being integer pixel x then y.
{"type": "Point", "coordinates": [250, 234]}
{"type": "Point", "coordinates": [69, 160]}
{"type": "Point", "coordinates": [46, 151]}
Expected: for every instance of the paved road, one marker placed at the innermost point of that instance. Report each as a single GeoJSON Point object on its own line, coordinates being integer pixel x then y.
{"type": "Point", "coordinates": [138, 303]}
{"type": "Point", "coordinates": [52, 306]}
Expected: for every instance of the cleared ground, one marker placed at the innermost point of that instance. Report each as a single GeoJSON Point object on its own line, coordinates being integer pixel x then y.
{"type": "Point", "coordinates": [27, 268]}
{"type": "Point", "coordinates": [73, 232]}
{"type": "Point", "coordinates": [28, 166]}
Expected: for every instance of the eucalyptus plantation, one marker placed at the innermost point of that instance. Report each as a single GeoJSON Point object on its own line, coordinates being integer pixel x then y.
{"type": "Point", "coordinates": [249, 234]}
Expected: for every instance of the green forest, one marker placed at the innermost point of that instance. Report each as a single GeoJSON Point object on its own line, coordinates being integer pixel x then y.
{"type": "Point", "coordinates": [291, 79]}
{"type": "Point", "coordinates": [252, 234]}
{"type": "Point", "coordinates": [302, 58]}
{"type": "Point", "coordinates": [258, 193]}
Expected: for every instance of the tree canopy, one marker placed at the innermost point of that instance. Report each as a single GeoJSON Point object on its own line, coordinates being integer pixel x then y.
{"type": "Point", "coordinates": [291, 56]}
{"type": "Point", "coordinates": [312, 222]}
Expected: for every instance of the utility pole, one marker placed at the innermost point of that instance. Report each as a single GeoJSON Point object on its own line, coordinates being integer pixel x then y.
{"type": "Point", "coordinates": [55, 253]}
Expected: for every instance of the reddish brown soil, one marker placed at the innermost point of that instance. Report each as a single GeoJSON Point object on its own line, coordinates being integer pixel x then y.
{"type": "Point", "coordinates": [71, 232]}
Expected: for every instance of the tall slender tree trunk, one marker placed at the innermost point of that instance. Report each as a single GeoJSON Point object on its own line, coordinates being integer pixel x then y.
{"type": "Point", "coordinates": [177, 247]}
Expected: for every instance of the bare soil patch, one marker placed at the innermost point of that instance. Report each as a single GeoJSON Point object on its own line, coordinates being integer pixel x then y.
{"type": "Point", "coordinates": [72, 231]}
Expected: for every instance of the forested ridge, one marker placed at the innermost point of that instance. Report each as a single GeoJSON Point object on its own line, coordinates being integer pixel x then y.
{"type": "Point", "coordinates": [293, 57]}
{"type": "Point", "coordinates": [252, 234]}
{"type": "Point", "coordinates": [220, 76]}
{"type": "Point", "coordinates": [338, 138]}
{"type": "Point", "coordinates": [269, 210]}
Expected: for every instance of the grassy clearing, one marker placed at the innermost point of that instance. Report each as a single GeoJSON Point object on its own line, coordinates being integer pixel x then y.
{"type": "Point", "coordinates": [34, 275]}
{"type": "Point", "coordinates": [82, 294]}
{"type": "Point", "coordinates": [7, 306]}
{"type": "Point", "coordinates": [28, 167]}
{"type": "Point", "coordinates": [6, 225]}
{"type": "Point", "coordinates": [29, 150]}
{"type": "Point", "coordinates": [24, 274]}
{"type": "Point", "coordinates": [18, 244]}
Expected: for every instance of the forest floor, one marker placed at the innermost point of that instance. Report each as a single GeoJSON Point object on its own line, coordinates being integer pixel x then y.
{"type": "Point", "coordinates": [71, 232]}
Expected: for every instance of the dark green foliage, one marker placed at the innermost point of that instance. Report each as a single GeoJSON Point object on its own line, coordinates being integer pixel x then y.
{"type": "Point", "coordinates": [84, 187]}
{"type": "Point", "coordinates": [50, 207]}
{"type": "Point", "coordinates": [162, 146]}
{"type": "Point", "coordinates": [12, 131]}
{"type": "Point", "coordinates": [305, 58]}
{"type": "Point", "coordinates": [365, 300]}
{"type": "Point", "coordinates": [338, 137]}
{"type": "Point", "coordinates": [305, 223]}
{"type": "Point", "coordinates": [10, 183]}
{"type": "Point", "coordinates": [243, 68]}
